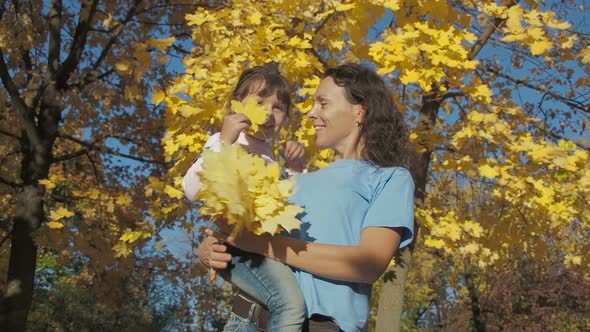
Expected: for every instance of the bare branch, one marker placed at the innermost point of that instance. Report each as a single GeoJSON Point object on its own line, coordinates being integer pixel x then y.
{"type": "Point", "coordinates": [568, 101]}
{"type": "Point", "coordinates": [104, 149]}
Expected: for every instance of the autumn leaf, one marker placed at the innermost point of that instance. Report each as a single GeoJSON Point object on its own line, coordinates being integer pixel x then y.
{"type": "Point", "coordinates": [55, 225]}
{"type": "Point", "coordinates": [60, 213]}
{"type": "Point", "coordinates": [250, 108]}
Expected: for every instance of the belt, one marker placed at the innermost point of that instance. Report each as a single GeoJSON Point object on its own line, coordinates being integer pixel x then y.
{"type": "Point", "coordinates": [254, 312]}
{"type": "Point", "coordinates": [259, 315]}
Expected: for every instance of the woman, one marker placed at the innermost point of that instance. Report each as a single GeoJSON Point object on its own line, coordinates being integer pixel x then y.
{"type": "Point", "coordinates": [358, 210]}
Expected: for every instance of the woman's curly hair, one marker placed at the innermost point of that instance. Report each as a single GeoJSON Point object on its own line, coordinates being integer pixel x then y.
{"type": "Point", "coordinates": [383, 130]}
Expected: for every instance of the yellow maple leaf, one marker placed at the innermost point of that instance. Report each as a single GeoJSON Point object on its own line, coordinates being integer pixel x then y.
{"type": "Point", "coordinates": [410, 76]}
{"type": "Point", "coordinates": [60, 213]}
{"type": "Point", "coordinates": [391, 4]}
{"type": "Point", "coordinates": [250, 108]}
{"type": "Point", "coordinates": [255, 18]}
{"type": "Point", "coordinates": [484, 92]}
{"type": "Point", "coordinates": [585, 55]}
{"type": "Point", "coordinates": [55, 225]}
{"type": "Point", "coordinates": [540, 46]}
{"type": "Point", "coordinates": [48, 184]}
{"type": "Point", "coordinates": [470, 248]}
{"type": "Point", "coordinates": [344, 7]}
{"type": "Point", "coordinates": [572, 260]}
{"type": "Point", "coordinates": [299, 42]}
{"type": "Point", "coordinates": [434, 243]}
{"type": "Point", "coordinates": [188, 110]}
{"type": "Point", "coordinates": [173, 192]}
{"type": "Point", "coordinates": [161, 42]}
{"type": "Point", "coordinates": [488, 171]}
{"type": "Point", "coordinates": [122, 249]}
{"type": "Point", "coordinates": [124, 199]}
{"type": "Point", "coordinates": [158, 97]}
{"type": "Point", "coordinates": [122, 66]}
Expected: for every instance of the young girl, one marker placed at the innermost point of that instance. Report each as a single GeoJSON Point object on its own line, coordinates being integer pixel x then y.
{"type": "Point", "coordinates": [266, 281]}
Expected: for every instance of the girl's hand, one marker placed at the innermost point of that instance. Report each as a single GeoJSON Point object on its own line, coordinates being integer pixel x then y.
{"type": "Point", "coordinates": [294, 155]}
{"type": "Point", "coordinates": [233, 124]}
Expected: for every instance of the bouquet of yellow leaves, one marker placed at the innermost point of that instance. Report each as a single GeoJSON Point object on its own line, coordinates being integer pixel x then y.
{"type": "Point", "coordinates": [246, 192]}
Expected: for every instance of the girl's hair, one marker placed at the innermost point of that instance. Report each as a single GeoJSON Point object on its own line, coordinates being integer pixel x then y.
{"type": "Point", "coordinates": [264, 81]}
{"type": "Point", "coordinates": [383, 130]}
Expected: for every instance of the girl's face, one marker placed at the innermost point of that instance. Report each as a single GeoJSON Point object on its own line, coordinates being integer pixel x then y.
{"type": "Point", "coordinates": [277, 114]}
{"type": "Point", "coordinates": [335, 118]}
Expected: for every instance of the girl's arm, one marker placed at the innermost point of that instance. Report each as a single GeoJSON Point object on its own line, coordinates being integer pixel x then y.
{"type": "Point", "coordinates": [363, 263]}
{"type": "Point", "coordinates": [233, 125]}
{"type": "Point", "coordinates": [191, 182]}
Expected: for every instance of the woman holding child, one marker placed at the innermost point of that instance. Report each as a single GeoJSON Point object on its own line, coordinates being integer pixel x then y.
{"type": "Point", "coordinates": [358, 212]}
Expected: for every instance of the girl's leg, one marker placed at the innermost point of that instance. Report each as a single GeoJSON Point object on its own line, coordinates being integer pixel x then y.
{"type": "Point", "coordinates": [236, 323]}
{"type": "Point", "coordinates": [271, 283]}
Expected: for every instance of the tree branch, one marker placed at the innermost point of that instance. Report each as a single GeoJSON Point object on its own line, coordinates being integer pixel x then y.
{"type": "Point", "coordinates": [54, 54]}
{"type": "Point", "coordinates": [25, 113]}
{"type": "Point", "coordinates": [487, 34]}
{"type": "Point", "coordinates": [78, 44]}
{"type": "Point", "coordinates": [570, 102]}
{"type": "Point", "coordinates": [9, 134]}
{"type": "Point", "coordinates": [104, 149]}
{"type": "Point", "coordinates": [8, 235]}
{"type": "Point", "coordinates": [10, 183]}
{"type": "Point", "coordinates": [117, 31]}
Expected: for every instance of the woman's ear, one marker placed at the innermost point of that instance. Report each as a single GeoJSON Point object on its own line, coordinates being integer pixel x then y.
{"type": "Point", "coordinates": [360, 111]}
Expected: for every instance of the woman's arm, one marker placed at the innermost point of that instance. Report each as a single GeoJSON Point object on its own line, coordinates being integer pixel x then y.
{"type": "Point", "coordinates": [362, 263]}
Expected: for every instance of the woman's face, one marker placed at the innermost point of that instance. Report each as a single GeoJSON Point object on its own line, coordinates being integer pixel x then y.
{"type": "Point", "coordinates": [276, 117]}
{"type": "Point", "coordinates": [334, 118]}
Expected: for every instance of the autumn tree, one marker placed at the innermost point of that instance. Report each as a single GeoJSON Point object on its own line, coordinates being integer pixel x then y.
{"type": "Point", "coordinates": [496, 94]}
{"type": "Point", "coordinates": [79, 136]}
{"type": "Point", "coordinates": [64, 300]}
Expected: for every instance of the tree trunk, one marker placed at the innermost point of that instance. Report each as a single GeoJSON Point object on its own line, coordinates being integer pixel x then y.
{"type": "Point", "coordinates": [391, 298]}
{"type": "Point", "coordinates": [36, 144]}
{"type": "Point", "coordinates": [23, 259]}
{"type": "Point", "coordinates": [16, 301]}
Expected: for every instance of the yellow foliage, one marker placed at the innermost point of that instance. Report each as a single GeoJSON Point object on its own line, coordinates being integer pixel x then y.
{"type": "Point", "coordinates": [246, 192]}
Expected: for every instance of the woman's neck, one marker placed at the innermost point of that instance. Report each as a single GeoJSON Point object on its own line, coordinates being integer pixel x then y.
{"type": "Point", "coordinates": [355, 151]}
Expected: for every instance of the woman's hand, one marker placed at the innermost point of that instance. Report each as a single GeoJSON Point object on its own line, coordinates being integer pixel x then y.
{"type": "Point", "coordinates": [294, 155]}
{"type": "Point", "coordinates": [233, 124]}
{"type": "Point", "coordinates": [213, 255]}
{"type": "Point", "coordinates": [244, 240]}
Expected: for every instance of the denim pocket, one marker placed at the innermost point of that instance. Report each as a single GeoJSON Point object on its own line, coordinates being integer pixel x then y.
{"type": "Point", "coordinates": [234, 323]}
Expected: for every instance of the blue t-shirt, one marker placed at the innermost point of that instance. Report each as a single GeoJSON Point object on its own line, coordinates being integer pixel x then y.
{"type": "Point", "coordinates": [340, 201]}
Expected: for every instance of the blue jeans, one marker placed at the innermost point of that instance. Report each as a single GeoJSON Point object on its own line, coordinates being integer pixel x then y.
{"type": "Point", "coordinates": [236, 323]}
{"type": "Point", "coordinates": [271, 283]}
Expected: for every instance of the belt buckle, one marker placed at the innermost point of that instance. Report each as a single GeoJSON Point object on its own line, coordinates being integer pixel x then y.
{"type": "Point", "coordinates": [253, 312]}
